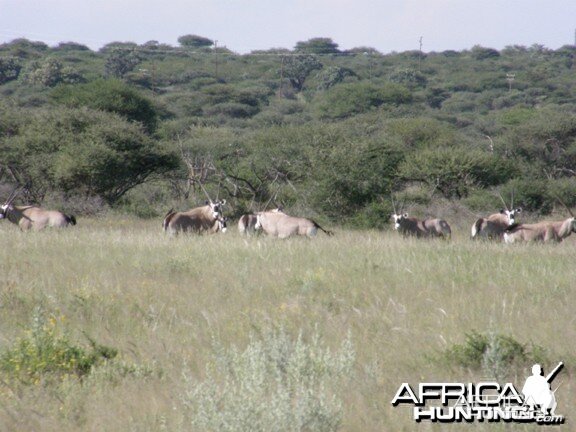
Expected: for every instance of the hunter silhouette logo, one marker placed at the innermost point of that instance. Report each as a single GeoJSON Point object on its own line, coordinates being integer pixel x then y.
{"type": "Point", "coordinates": [485, 401]}
{"type": "Point", "coordinates": [537, 392]}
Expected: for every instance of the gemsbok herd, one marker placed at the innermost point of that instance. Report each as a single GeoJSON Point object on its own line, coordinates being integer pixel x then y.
{"type": "Point", "coordinates": [209, 219]}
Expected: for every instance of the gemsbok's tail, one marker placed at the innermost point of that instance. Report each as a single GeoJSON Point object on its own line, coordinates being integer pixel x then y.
{"type": "Point", "coordinates": [243, 224]}
{"type": "Point", "coordinates": [328, 233]}
{"type": "Point", "coordinates": [70, 219]}
{"type": "Point", "coordinates": [476, 228]}
{"type": "Point", "coordinates": [167, 219]}
{"type": "Point", "coordinates": [445, 229]}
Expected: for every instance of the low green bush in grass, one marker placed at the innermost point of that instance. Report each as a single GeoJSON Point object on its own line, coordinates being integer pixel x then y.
{"type": "Point", "coordinates": [494, 353]}
{"type": "Point", "coordinates": [274, 384]}
{"type": "Point", "coordinates": [43, 352]}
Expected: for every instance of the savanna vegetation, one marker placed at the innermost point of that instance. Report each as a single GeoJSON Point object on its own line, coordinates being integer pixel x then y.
{"type": "Point", "coordinates": [112, 326]}
{"type": "Point", "coordinates": [326, 132]}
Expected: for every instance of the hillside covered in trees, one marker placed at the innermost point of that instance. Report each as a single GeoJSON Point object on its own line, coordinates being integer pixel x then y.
{"type": "Point", "coordinates": [330, 133]}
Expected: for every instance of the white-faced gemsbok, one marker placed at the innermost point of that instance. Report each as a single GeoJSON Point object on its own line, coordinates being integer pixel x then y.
{"type": "Point", "coordinates": [542, 231]}
{"type": "Point", "coordinates": [410, 226]}
{"type": "Point", "coordinates": [33, 217]}
{"type": "Point", "coordinates": [278, 224]}
{"type": "Point", "coordinates": [206, 219]}
{"type": "Point", "coordinates": [494, 226]}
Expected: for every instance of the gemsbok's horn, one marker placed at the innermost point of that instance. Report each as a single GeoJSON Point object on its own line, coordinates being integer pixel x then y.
{"type": "Point", "coordinates": [205, 193]}
{"type": "Point", "coordinates": [503, 202]}
{"type": "Point", "coordinates": [393, 204]}
{"type": "Point", "coordinates": [13, 195]}
{"type": "Point", "coordinates": [565, 206]}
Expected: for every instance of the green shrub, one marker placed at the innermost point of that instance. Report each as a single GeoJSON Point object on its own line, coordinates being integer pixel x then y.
{"type": "Point", "coordinates": [274, 384]}
{"type": "Point", "coordinates": [44, 352]}
{"type": "Point", "coordinates": [375, 215]}
{"type": "Point", "coordinates": [111, 96]}
{"type": "Point", "coordinates": [422, 132]}
{"type": "Point", "coordinates": [349, 99]}
{"type": "Point", "coordinates": [483, 200]}
{"type": "Point", "coordinates": [231, 109]}
{"type": "Point", "coordinates": [530, 194]}
{"type": "Point", "coordinates": [84, 152]}
{"type": "Point", "coordinates": [495, 354]}
{"type": "Point", "coordinates": [564, 190]}
{"type": "Point", "coordinates": [456, 171]}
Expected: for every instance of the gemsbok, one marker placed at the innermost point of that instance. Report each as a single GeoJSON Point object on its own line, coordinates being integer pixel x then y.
{"type": "Point", "coordinates": [494, 226]}
{"type": "Point", "coordinates": [542, 231]}
{"type": "Point", "coordinates": [33, 217]}
{"type": "Point", "coordinates": [206, 219]}
{"type": "Point", "coordinates": [278, 224]}
{"type": "Point", "coordinates": [247, 222]}
{"type": "Point", "coordinates": [411, 226]}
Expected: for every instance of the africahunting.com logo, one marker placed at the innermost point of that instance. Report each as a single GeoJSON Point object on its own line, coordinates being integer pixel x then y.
{"type": "Point", "coordinates": [485, 401]}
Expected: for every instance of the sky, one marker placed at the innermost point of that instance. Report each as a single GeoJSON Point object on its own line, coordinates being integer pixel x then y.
{"type": "Point", "coordinates": [247, 25]}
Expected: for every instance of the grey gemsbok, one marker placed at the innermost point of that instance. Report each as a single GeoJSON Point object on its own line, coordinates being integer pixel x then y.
{"type": "Point", "coordinates": [279, 224]}
{"type": "Point", "coordinates": [204, 219]}
{"type": "Point", "coordinates": [411, 226]}
{"type": "Point", "coordinates": [34, 218]}
{"type": "Point", "coordinates": [495, 225]}
{"type": "Point", "coordinates": [546, 231]}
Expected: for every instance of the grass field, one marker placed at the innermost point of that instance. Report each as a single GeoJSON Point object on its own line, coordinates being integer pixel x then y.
{"type": "Point", "coordinates": [166, 303]}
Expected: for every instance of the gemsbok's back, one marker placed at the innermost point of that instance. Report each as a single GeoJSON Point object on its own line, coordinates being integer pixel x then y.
{"type": "Point", "coordinates": [278, 224]}
{"type": "Point", "coordinates": [33, 217]}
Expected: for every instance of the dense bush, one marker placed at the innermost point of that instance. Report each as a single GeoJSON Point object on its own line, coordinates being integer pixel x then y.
{"type": "Point", "coordinates": [83, 152]}
{"type": "Point", "coordinates": [111, 96]}
{"type": "Point", "coordinates": [456, 171]}
{"type": "Point", "coordinates": [496, 354]}
{"type": "Point", "coordinates": [348, 99]}
{"type": "Point", "coordinates": [9, 69]}
{"type": "Point", "coordinates": [327, 131]}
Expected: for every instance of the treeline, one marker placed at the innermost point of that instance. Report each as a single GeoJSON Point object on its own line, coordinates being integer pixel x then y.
{"type": "Point", "coordinates": [331, 133]}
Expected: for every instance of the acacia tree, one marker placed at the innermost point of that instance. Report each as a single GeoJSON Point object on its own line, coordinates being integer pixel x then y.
{"type": "Point", "coordinates": [111, 96]}
{"type": "Point", "coordinates": [50, 73]}
{"type": "Point", "coordinates": [9, 69]}
{"type": "Point", "coordinates": [121, 61]}
{"type": "Point", "coordinates": [83, 152]}
{"type": "Point", "coordinates": [194, 41]}
{"type": "Point", "coordinates": [297, 68]}
{"type": "Point", "coordinates": [317, 46]}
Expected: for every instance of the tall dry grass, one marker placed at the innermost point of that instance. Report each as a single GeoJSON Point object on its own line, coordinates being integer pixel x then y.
{"type": "Point", "coordinates": [162, 302]}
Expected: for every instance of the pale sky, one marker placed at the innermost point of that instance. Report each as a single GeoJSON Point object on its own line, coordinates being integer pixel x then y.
{"type": "Point", "coordinates": [246, 25]}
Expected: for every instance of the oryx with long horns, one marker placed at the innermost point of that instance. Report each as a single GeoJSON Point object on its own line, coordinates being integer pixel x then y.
{"type": "Point", "coordinates": [205, 219]}
{"type": "Point", "coordinates": [547, 231]}
{"type": "Point", "coordinates": [278, 224]}
{"type": "Point", "coordinates": [495, 225]}
{"type": "Point", "coordinates": [32, 217]}
{"type": "Point", "coordinates": [411, 226]}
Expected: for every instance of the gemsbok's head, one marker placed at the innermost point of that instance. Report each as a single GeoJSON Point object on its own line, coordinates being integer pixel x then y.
{"type": "Point", "coordinates": [398, 216]}
{"type": "Point", "coordinates": [511, 212]}
{"type": "Point", "coordinates": [216, 207]}
{"type": "Point", "coordinates": [398, 219]}
{"type": "Point", "coordinates": [7, 206]}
